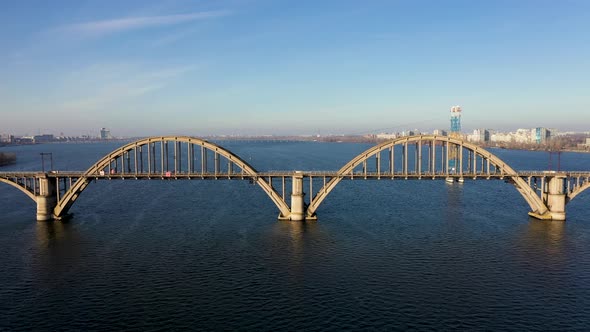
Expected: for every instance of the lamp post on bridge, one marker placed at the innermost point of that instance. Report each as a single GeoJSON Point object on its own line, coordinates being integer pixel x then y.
{"type": "Point", "coordinates": [43, 154]}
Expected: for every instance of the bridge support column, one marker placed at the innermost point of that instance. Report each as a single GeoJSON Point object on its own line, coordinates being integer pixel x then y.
{"type": "Point", "coordinates": [297, 195]}
{"type": "Point", "coordinates": [46, 200]}
{"type": "Point", "coordinates": [555, 197]}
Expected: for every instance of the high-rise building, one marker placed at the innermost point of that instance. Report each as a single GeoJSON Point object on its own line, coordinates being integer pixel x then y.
{"type": "Point", "coordinates": [456, 121]}
{"type": "Point", "coordinates": [105, 133]}
{"type": "Point", "coordinates": [540, 135]}
{"type": "Point", "coordinates": [455, 133]}
{"type": "Point", "coordinates": [479, 136]}
{"type": "Point", "coordinates": [484, 135]}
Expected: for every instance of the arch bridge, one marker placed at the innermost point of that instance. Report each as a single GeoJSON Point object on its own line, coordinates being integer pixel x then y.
{"type": "Point", "coordinates": [423, 157]}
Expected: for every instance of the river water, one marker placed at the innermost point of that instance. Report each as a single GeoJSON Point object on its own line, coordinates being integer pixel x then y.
{"type": "Point", "coordinates": [210, 255]}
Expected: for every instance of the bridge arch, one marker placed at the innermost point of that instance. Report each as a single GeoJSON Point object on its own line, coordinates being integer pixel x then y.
{"type": "Point", "coordinates": [536, 204]}
{"type": "Point", "coordinates": [130, 158]}
{"type": "Point", "coordinates": [19, 187]}
{"type": "Point", "coordinates": [578, 191]}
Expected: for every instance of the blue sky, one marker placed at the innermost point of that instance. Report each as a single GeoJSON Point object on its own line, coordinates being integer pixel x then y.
{"type": "Point", "coordinates": [291, 67]}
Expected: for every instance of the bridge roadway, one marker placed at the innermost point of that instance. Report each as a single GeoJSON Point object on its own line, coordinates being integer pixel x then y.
{"type": "Point", "coordinates": [411, 157]}
{"type": "Point", "coordinates": [287, 173]}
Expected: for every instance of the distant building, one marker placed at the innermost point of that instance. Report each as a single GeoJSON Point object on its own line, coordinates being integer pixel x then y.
{"type": "Point", "coordinates": [484, 135]}
{"type": "Point", "coordinates": [479, 136]}
{"type": "Point", "coordinates": [24, 140]}
{"type": "Point", "coordinates": [522, 136]}
{"type": "Point", "coordinates": [43, 138]}
{"type": "Point", "coordinates": [105, 133]}
{"type": "Point", "coordinates": [7, 138]}
{"type": "Point", "coordinates": [440, 132]}
{"type": "Point", "coordinates": [386, 136]}
{"type": "Point", "coordinates": [540, 135]}
{"type": "Point", "coordinates": [588, 141]}
{"type": "Point", "coordinates": [408, 133]}
{"type": "Point", "coordinates": [456, 121]}
{"type": "Point", "coordinates": [500, 137]}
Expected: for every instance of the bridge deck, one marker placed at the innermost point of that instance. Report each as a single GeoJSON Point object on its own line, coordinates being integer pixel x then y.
{"type": "Point", "coordinates": [329, 174]}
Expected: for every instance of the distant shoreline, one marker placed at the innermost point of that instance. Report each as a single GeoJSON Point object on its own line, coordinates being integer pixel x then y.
{"type": "Point", "coordinates": [533, 150]}
{"type": "Point", "coordinates": [322, 139]}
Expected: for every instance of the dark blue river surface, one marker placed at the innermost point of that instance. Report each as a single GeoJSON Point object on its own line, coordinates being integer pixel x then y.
{"type": "Point", "coordinates": [211, 255]}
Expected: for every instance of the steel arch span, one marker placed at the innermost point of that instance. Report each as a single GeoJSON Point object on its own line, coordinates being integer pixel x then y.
{"type": "Point", "coordinates": [150, 157]}
{"type": "Point", "coordinates": [449, 146]}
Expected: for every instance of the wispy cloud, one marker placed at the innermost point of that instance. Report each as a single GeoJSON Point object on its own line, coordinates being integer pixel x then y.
{"type": "Point", "coordinates": [97, 28]}
{"type": "Point", "coordinates": [173, 38]}
{"type": "Point", "coordinates": [100, 86]}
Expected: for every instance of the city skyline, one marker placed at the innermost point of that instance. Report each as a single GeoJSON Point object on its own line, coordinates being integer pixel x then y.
{"type": "Point", "coordinates": [265, 67]}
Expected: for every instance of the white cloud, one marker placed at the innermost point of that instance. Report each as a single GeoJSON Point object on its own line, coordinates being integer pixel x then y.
{"type": "Point", "coordinates": [97, 28]}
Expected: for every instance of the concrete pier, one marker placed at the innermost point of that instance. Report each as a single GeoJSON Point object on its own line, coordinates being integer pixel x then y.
{"type": "Point", "coordinates": [47, 199]}
{"type": "Point", "coordinates": [297, 195]}
{"type": "Point", "coordinates": [555, 197]}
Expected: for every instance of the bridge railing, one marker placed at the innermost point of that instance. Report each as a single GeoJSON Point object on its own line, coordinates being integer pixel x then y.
{"type": "Point", "coordinates": [553, 173]}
